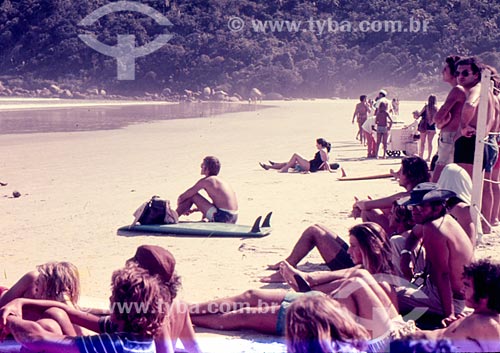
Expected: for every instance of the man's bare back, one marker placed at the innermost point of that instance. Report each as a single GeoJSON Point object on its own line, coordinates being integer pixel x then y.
{"type": "Point", "coordinates": [447, 244]}
{"type": "Point", "coordinates": [221, 193]}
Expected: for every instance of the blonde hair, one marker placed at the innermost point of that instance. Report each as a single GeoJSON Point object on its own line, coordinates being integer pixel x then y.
{"type": "Point", "coordinates": [60, 281]}
{"type": "Point", "coordinates": [315, 324]}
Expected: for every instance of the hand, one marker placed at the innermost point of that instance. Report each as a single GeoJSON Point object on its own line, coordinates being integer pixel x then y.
{"type": "Point", "coordinates": [468, 131]}
{"type": "Point", "coordinates": [406, 266]}
{"type": "Point", "coordinates": [14, 307]}
{"type": "Point", "coordinates": [448, 320]}
{"type": "Point", "coordinates": [361, 204]}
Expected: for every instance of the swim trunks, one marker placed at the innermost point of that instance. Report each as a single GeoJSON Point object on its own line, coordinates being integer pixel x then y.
{"type": "Point", "coordinates": [490, 153]}
{"type": "Point", "coordinates": [341, 261]}
{"type": "Point", "coordinates": [446, 147]}
{"type": "Point", "coordinates": [221, 215]}
{"type": "Point", "coordinates": [290, 297]}
{"type": "Point", "coordinates": [464, 150]}
{"type": "Point", "coordinates": [381, 129]}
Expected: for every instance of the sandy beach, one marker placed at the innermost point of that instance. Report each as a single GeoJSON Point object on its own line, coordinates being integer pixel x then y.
{"type": "Point", "coordinates": [78, 188]}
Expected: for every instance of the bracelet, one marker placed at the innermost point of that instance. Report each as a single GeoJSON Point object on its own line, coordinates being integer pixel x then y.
{"type": "Point", "coordinates": [405, 251]}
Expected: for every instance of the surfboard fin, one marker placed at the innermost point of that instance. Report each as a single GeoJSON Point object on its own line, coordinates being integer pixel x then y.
{"type": "Point", "coordinates": [267, 220]}
{"type": "Point", "coordinates": [256, 225]}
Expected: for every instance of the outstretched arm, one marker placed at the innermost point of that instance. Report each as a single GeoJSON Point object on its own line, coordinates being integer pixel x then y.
{"type": "Point", "coordinates": [77, 317]}
{"type": "Point", "coordinates": [34, 337]}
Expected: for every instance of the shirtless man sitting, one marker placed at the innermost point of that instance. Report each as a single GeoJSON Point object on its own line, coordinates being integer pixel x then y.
{"type": "Point", "coordinates": [479, 331]}
{"type": "Point", "coordinates": [224, 205]}
{"type": "Point", "coordinates": [447, 248]}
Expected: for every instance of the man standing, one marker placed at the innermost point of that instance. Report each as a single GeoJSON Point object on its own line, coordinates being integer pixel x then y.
{"type": "Point", "coordinates": [447, 250]}
{"type": "Point", "coordinates": [469, 76]}
{"type": "Point", "coordinates": [447, 118]}
{"type": "Point", "coordinates": [224, 205]}
{"type": "Point", "coordinates": [361, 114]}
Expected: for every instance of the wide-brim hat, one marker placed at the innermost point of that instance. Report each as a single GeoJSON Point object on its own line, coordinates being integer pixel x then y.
{"type": "Point", "coordinates": [426, 192]}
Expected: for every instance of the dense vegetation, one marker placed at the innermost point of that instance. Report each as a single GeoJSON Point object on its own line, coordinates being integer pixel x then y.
{"type": "Point", "coordinates": [39, 43]}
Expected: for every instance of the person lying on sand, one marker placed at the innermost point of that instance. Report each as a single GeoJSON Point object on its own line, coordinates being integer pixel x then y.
{"type": "Point", "coordinates": [134, 331]}
{"type": "Point", "coordinates": [157, 261]}
{"type": "Point", "coordinates": [299, 163]}
{"type": "Point", "coordinates": [265, 310]}
{"type": "Point", "coordinates": [223, 206]}
{"type": "Point", "coordinates": [57, 281]}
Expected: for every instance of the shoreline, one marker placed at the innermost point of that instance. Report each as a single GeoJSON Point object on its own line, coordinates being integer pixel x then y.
{"type": "Point", "coordinates": [78, 189]}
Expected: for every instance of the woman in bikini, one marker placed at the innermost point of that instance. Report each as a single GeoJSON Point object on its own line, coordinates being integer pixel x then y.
{"type": "Point", "coordinates": [299, 163]}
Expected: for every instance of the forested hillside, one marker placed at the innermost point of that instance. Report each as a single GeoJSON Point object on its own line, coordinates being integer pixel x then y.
{"type": "Point", "coordinates": [39, 44]}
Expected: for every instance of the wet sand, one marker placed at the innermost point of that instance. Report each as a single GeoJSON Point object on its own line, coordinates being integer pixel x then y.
{"type": "Point", "coordinates": [78, 188]}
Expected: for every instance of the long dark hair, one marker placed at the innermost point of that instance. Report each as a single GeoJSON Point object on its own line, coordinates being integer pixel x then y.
{"type": "Point", "coordinates": [324, 143]}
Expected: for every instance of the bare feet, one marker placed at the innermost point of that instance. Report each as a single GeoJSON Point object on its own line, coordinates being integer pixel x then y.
{"type": "Point", "coordinates": [294, 277]}
{"type": "Point", "coordinates": [265, 166]}
{"type": "Point", "coordinates": [274, 278]}
{"type": "Point", "coordinates": [274, 267]}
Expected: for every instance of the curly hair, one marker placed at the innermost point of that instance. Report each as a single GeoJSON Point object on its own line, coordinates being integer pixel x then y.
{"type": "Point", "coordinates": [60, 281]}
{"type": "Point", "coordinates": [375, 247]}
{"type": "Point", "coordinates": [139, 301]}
{"type": "Point", "coordinates": [415, 170]}
{"type": "Point", "coordinates": [316, 323]}
{"type": "Point", "coordinates": [485, 277]}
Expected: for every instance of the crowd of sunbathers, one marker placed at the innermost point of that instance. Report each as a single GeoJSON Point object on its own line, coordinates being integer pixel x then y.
{"type": "Point", "coordinates": [406, 281]}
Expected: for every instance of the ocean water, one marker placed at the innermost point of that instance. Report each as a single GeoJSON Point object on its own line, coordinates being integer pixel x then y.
{"type": "Point", "coordinates": [25, 115]}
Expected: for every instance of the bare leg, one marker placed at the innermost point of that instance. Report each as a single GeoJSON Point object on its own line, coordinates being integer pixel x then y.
{"type": "Point", "coordinates": [430, 137]}
{"type": "Point", "coordinates": [296, 159]}
{"type": "Point", "coordinates": [487, 204]}
{"type": "Point", "coordinates": [249, 298]}
{"type": "Point", "coordinates": [328, 244]}
{"type": "Point", "coordinates": [423, 136]}
{"type": "Point", "coordinates": [379, 139]}
{"type": "Point", "coordinates": [316, 236]}
{"type": "Point", "coordinates": [384, 141]}
{"type": "Point", "coordinates": [495, 174]}
{"type": "Point", "coordinates": [201, 203]}
{"type": "Point", "coordinates": [261, 319]}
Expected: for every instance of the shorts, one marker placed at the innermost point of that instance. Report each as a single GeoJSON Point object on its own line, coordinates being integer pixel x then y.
{"type": "Point", "coordinates": [290, 297]}
{"type": "Point", "coordinates": [417, 301]}
{"type": "Point", "coordinates": [342, 260]}
{"type": "Point", "coordinates": [490, 153]}
{"type": "Point", "coordinates": [464, 150]}
{"type": "Point", "coordinates": [446, 147]}
{"type": "Point", "coordinates": [221, 215]}
{"type": "Point", "coordinates": [381, 129]}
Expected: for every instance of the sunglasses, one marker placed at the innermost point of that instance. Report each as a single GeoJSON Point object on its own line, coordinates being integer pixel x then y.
{"type": "Point", "coordinates": [464, 73]}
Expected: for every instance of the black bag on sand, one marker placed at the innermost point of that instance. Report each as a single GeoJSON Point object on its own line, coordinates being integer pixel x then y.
{"type": "Point", "coordinates": [155, 211]}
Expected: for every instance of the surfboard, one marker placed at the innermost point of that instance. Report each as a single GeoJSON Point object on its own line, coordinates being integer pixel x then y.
{"type": "Point", "coordinates": [204, 229]}
{"type": "Point", "coordinates": [366, 177]}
